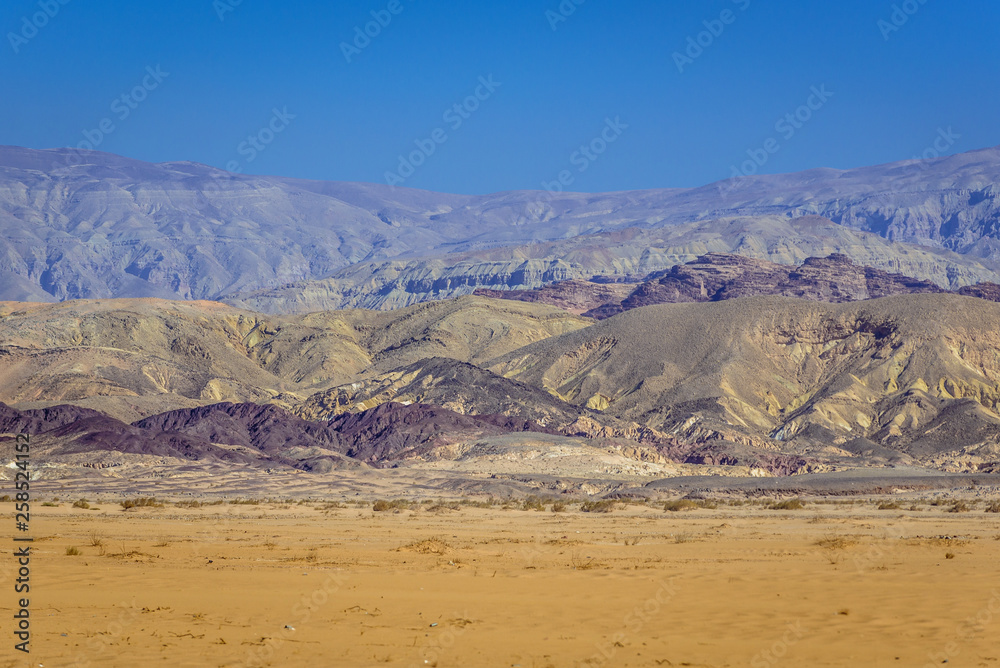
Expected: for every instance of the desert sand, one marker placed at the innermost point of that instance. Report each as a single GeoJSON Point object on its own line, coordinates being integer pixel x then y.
{"type": "Point", "coordinates": [332, 584]}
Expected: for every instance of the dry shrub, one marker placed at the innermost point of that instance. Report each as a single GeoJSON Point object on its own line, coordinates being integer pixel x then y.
{"type": "Point", "coordinates": [690, 504]}
{"type": "Point", "coordinates": [141, 502]}
{"type": "Point", "coordinates": [533, 503]}
{"type": "Point", "coordinates": [836, 543]}
{"type": "Point", "coordinates": [382, 505]}
{"type": "Point", "coordinates": [789, 504]}
{"type": "Point", "coordinates": [959, 507]}
{"type": "Point", "coordinates": [602, 506]}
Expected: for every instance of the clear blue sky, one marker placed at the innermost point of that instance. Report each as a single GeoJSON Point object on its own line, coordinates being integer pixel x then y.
{"type": "Point", "coordinates": [892, 90]}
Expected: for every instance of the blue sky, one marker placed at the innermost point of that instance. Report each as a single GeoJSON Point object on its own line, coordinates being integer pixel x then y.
{"type": "Point", "coordinates": [601, 75]}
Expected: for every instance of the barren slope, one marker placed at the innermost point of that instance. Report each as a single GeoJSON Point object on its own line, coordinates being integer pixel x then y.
{"type": "Point", "coordinates": [915, 373]}
{"type": "Point", "coordinates": [133, 358]}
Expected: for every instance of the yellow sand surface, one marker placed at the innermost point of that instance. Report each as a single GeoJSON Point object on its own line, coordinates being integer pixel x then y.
{"type": "Point", "coordinates": [307, 585]}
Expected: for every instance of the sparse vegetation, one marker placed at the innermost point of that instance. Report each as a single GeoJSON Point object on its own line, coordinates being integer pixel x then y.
{"type": "Point", "coordinates": [396, 505]}
{"type": "Point", "coordinates": [189, 504]}
{"type": "Point", "coordinates": [533, 503]}
{"type": "Point", "coordinates": [788, 504]}
{"type": "Point", "coordinates": [889, 505]}
{"type": "Point", "coordinates": [993, 507]}
{"type": "Point", "coordinates": [429, 546]}
{"type": "Point", "coordinates": [678, 505]}
{"type": "Point", "coordinates": [602, 506]}
{"type": "Point", "coordinates": [488, 503]}
{"type": "Point", "coordinates": [558, 507]}
{"type": "Point", "coordinates": [959, 507]}
{"type": "Point", "coordinates": [584, 565]}
{"type": "Point", "coordinates": [73, 551]}
{"type": "Point", "coordinates": [441, 506]}
{"type": "Point", "coordinates": [81, 503]}
{"type": "Point", "coordinates": [141, 502]}
{"type": "Point", "coordinates": [330, 505]}
{"type": "Point", "coordinates": [836, 543]}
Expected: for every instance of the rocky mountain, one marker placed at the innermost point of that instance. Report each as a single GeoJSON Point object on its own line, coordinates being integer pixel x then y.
{"type": "Point", "coordinates": [771, 384]}
{"type": "Point", "coordinates": [256, 435]}
{"type": "Point", "coordinates": [917, 374]}
{"type": "Point", "coordinates": [135, 358]}
{"type": "Point", "coordinates": [719, 276]}
{"type": "Point", "coordinates": [265, 428]}
{"type": "Point", "coordinates": [628, 254]}
{"type": "Point", "coordinates": [393, 432]}
{"type": "Point", "coordinates": [78, 224]}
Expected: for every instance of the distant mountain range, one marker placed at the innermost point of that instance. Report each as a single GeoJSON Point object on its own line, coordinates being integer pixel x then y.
{"type": "Point", "coordinates": [79, 225]}
{"type": "Point", "coordinates": [759, 384]}
{"type": "Point", "coordinates": [720, 276]}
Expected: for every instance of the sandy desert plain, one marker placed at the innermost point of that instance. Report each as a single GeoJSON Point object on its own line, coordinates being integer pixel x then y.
{"type": "Point", "coordinates": [731, 579]}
